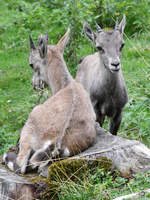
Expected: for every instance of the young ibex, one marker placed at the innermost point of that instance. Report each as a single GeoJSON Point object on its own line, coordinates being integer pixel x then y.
{"type": "Point", "coordinates": [65, 123]}
{"type": "Point", "coordinates": [101, 74]}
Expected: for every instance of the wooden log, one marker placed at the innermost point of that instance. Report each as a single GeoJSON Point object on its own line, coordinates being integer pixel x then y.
{"type": "Point", "coordinates": [14, 187]}
{"type": "Point", "coordinates": [134, 195]}
{"type": "Point", "coordinates": [128, 156]}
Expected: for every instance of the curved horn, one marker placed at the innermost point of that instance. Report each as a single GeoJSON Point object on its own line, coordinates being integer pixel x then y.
{"type": "Point", "coordinates": [32, 46]}
{"type": "Point", "coordinates": [42, 46]}
{"type": "Point", "coordinates": [99, 30]}
{"type": "Point", "coordinates": [117, 25]}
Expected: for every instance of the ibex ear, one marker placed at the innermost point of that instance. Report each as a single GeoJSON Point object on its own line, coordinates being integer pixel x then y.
{"type": "Point", "coordinates": [122, 24]}
{"type": "Point", "coordinates": [42, 45]}
{"type": "Point", "coordinates": [32, 46]}
{"type": "Point", "coordinates": [89, 32]}
{"type": "Point", "coordinates": [63, 41]}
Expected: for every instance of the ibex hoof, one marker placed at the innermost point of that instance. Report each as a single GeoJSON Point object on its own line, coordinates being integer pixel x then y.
{"type": "Point", "coordinates": [56, 153]}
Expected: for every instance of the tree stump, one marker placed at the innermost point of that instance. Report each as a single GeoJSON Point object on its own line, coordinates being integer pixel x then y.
{"type": "Point", "coordinates": [14, 187]}
{"type": "Point", "coordinates": [128, 156]}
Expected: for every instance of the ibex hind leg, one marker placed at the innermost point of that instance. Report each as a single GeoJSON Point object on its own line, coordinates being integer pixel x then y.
{"type": "Point", "coordinates": [115, 122]}
{"type": "Point", "coordinates": [44, 154]}
{"type": "Point", "coordinates": [57, 151]}
{"type": "Point", "coordinates": [39, 157]}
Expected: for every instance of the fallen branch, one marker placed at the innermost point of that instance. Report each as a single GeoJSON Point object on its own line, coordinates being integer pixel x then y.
{"type": "Point", "coordinates": [134, 195]}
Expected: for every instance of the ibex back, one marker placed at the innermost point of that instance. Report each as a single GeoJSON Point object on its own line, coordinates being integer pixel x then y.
{"type": "Point", "coordinates": [101, 74]}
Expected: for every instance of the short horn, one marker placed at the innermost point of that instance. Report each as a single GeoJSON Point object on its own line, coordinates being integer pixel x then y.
{"type": "Point", "coordinates": [117, 25]}
{"type": "Point", "coordinates": [99, 30]}
{"type": "Point", "coordinates": [32, 46]}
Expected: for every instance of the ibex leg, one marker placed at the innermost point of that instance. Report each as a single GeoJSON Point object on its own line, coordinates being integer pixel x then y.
{"type": "Point", "coordinates": [115, 122]}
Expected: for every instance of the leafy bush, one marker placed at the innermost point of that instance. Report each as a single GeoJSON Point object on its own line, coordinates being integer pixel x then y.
{"type": "Point", "coordinates": [55, 16]}
{"type": "Point", "coordinates": [137, 13]}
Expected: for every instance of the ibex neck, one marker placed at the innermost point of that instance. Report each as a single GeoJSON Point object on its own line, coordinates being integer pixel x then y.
{"type": "Point", "coordinates": [58, 75]}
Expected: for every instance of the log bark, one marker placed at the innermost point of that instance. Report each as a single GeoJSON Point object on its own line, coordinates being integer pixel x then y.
{"type": "Point", "coordinates": [128, 156]}
{"type": "Point", "coordinates": [14, 187]}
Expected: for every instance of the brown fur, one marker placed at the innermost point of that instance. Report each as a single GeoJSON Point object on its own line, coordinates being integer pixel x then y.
{"type": "Point", "coordinates": [66, 120]}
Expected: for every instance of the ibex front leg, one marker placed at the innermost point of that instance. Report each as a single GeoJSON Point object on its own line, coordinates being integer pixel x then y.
{"type": "Point", "coordinates": [115, 122]}
{"type": "Point", "coordinates": [42, 155]}
{"type": "Point", "coordinates": [100, 118]}
{"type": "Point", "coordinates": [23, 158]}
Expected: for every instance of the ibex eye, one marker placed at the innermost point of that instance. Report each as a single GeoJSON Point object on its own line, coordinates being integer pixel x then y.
{"type": "Point", "coordinates": [122, 46]}
{"type": "Point", "coordinates": [100, 49]}
{"type": "Point", "coordinates": [31, 65]}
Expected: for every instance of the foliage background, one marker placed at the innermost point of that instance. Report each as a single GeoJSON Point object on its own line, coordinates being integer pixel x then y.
{"type": "Point", "coordinates": [55, 16]}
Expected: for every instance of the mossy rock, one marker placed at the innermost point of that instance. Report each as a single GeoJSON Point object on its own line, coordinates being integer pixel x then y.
{"type": "Point", "coordinates": [69, 170]}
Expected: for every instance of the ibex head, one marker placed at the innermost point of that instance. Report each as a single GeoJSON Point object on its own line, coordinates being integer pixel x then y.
{"type": "Point", "coordinates": [109, 44]}
{"type": "Point", "coordinates": [43, 58]}
{"type": "Point", "coordinates": [36, 61]}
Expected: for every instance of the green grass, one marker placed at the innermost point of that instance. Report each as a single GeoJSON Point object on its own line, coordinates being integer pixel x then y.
{"type": "Point", "coordinates": [136, 68]}
{"type": "Point", "coordinates": [16, 94]}
{"type": "Point", "coordinates": [101, 186]}
{"type": "Point", "coordinates": [17, 98]}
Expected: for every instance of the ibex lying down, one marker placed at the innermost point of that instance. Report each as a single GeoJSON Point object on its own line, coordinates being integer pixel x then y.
{"type": "Point", "coordinates": [64, 124]}
{"type": "Point", "coordinates": [101, 74]}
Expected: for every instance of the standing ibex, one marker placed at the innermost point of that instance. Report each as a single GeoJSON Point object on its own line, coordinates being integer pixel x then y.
{"type": "Point", "coordinates": [64, 124]}
{"type": "Point", "coordinates": [101, 74]}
